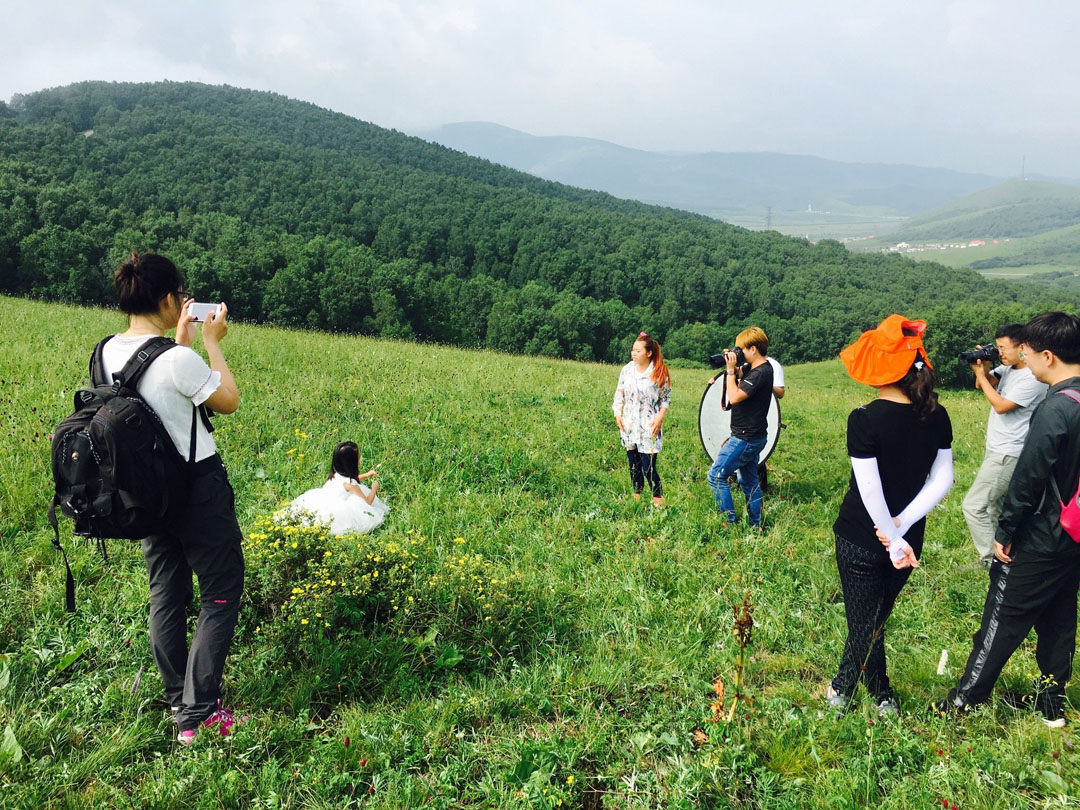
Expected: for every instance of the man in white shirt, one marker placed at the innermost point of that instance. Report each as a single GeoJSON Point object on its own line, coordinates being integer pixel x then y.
{"type": "Point", "coordinates": [1013, 393]}
{"type": "Point", "coordinates": [778, 390]}
{"type": "Point", "coordinates": [777, 378]}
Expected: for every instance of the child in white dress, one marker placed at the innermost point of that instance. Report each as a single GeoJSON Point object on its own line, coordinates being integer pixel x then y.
{"type": "Point", "coordinates": [343, 502]}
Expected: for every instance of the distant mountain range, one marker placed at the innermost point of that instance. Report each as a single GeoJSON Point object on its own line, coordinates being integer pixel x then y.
{"type": "Point", "coordinates": [722, 184]}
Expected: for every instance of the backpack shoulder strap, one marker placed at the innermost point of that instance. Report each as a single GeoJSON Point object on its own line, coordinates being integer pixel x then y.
{"type": "Point", "coordinates": [1071, 394]}
{"type": "Point", "coordinates": [133, 370]}
{"type": "Point", "coordinates": [97, 364]}
{"type": "Point", "coordinates": [1075, 396]}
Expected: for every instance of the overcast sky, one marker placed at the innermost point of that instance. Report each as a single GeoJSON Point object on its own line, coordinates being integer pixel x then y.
{"type": "Point", "coordinates": [974, 85]}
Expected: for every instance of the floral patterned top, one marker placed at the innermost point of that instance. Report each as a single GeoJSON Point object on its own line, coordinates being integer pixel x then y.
{"type": "Point", "coordinates": [638, 401]}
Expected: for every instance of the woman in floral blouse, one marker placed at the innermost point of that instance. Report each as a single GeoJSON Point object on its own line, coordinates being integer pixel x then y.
{"type": "Point", "coordinates": [642, 398]}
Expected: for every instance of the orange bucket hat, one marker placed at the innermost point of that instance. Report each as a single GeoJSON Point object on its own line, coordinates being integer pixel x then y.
{"type": "Point", "coordinates": [884, 355]}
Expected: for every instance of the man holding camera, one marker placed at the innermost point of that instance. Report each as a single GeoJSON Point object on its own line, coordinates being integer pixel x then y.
{"type": "Point", "coordinates": [1013, 393]}
{"type": "Point", "coordinates": [748, 382]}
{"type": "Point", "coordinates": [1036, 571]}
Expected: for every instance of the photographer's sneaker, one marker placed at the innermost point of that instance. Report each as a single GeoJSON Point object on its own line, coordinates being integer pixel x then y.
{"type": "Point", "coordinates": [837, 702]}
{"type": "Point", "coordinates": [888, 707]}
{"type": "Point", "coordinates": [658, 502]}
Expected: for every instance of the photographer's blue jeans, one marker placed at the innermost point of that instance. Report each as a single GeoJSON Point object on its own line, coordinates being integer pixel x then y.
{"type": "Point", "coordinates": [739, 456]}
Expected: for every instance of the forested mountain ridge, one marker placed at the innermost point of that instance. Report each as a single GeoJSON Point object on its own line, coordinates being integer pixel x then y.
{"type": "Point", "coordinates": [301, 216]}
{"type": "Point", "coordinates": [714, 183]}
{"type": "Point", "coordinates": [1015, 208]}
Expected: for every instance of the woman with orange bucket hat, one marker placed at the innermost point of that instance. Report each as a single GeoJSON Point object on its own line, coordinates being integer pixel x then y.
{"type": "Point", "coordinates": [901, 462]}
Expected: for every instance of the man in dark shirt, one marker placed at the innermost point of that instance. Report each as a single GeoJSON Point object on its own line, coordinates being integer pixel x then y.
{"type": "Point", "coordinates": [1036, 570]}
{"type": "Point", "coordinates": [749, 396]}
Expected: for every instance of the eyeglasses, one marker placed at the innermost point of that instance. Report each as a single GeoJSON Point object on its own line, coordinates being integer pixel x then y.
{"type": "Point", "coordinates": [184, 296]}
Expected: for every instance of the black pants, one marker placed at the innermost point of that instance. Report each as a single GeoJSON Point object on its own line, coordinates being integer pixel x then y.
{"type": "Point", "coordinates": [1032, 591]}
{"type": "Point", "coordinates": [642, 469]}
{"type": "Point", "coordinates": [205, 539]}
{"type": "Point", "coordinates": [870, 585]}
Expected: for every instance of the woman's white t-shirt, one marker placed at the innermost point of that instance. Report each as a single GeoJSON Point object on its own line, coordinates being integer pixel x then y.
{"type": "Point", "coordinates": [176, 381]}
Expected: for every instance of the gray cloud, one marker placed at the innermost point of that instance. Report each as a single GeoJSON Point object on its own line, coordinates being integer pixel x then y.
{"type": "Point", "coordinates": [968, 84]}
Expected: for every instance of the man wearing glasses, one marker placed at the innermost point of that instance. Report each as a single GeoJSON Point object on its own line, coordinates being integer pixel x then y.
{"type": "Point", "coordinates": [1013, 394]}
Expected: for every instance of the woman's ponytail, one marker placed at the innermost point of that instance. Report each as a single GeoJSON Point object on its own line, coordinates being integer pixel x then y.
{"type": "Point", "coordinates": [660, 375]}
{"type": "Point", "coordinates": [918, 386]}
{"type": "Point", "coordinates": [143, 280]}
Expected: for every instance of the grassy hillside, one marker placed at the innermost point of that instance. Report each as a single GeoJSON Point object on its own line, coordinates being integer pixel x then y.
{"type": "Point", "coordinates": [1012, 209]}
{"type": "Point", "coordinates": [541, 640]}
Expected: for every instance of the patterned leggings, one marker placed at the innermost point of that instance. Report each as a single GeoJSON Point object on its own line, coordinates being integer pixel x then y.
{"type": "Point", "coordinates": [870, 585]}
{"type": "Point", "coordinates": [642, 469]}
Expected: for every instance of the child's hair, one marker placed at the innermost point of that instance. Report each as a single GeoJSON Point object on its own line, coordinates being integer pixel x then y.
{"type": "Point", "coordinates": [142, 281]}
{"type": "Point", "coordinates": [345, 461]}
{"type": "Point", "coordinates": [918, 385]}
{"type": "Point", "coordinates": [660, 374]}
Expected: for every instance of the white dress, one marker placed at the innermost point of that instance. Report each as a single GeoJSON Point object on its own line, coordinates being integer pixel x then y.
{"type": "Point", "coordinates": [344, 512]}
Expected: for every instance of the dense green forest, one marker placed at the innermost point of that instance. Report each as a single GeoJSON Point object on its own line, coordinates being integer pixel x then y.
{"type": "Point", "coordinates": [300, 216]}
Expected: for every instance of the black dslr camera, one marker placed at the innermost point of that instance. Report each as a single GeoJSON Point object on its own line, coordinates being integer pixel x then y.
{"type": "Point", "coordinates": [988, 354]}
{"type": "Point", "coordinates": [718, 360]}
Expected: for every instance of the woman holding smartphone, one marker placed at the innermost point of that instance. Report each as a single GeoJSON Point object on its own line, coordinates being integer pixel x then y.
{"type": "Point", "coordinates": [204, 538]}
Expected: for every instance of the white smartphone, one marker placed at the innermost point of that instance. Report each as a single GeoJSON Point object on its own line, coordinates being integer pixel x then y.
{"type": "Point", "coordinates": [200, 311]}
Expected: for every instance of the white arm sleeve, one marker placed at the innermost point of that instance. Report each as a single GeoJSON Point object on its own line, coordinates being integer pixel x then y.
{"type": "Point", "coordinates": [868, 479]}
{"type": "Point", "coordinates": [937, 486]}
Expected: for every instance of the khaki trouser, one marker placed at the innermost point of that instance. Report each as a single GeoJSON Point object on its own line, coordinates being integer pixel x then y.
{"type": "Point", "coordinates": [982, 504]}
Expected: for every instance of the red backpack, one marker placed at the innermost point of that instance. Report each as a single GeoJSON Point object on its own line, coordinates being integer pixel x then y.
{"type": "Point", "coordinates": [1070, 512]}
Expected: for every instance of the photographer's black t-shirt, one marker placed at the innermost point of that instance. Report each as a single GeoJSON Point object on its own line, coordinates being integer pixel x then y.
{"type": "Point", "coordinates": [748, 417]}
{"type": "Point", "coordinates": [905, 449]}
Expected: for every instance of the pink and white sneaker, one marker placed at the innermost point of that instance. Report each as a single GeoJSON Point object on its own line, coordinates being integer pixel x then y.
{"type": "Point", "coordinates": [222, 719]}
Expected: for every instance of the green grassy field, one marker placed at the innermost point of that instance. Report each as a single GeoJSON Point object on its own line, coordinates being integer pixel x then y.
{"type": "Point", "coordinates": [520, 632]}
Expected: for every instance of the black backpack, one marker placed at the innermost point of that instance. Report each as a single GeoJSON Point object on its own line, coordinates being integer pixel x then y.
{"type": "Point", "coordinates": [116, 469]}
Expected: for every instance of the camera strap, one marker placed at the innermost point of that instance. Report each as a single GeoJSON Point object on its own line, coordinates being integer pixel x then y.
{"type": "Point", "coordinates": [724, 404]}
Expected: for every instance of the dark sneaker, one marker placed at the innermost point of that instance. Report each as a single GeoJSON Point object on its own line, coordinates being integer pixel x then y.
{"type": "Point", "coordinates": [1051, 708]}
{"type": "Point", "coordinates": [950, 707]}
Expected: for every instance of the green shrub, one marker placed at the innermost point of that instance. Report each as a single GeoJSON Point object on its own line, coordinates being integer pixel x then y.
{"type": "Point", "coordinates": [447, 603]}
